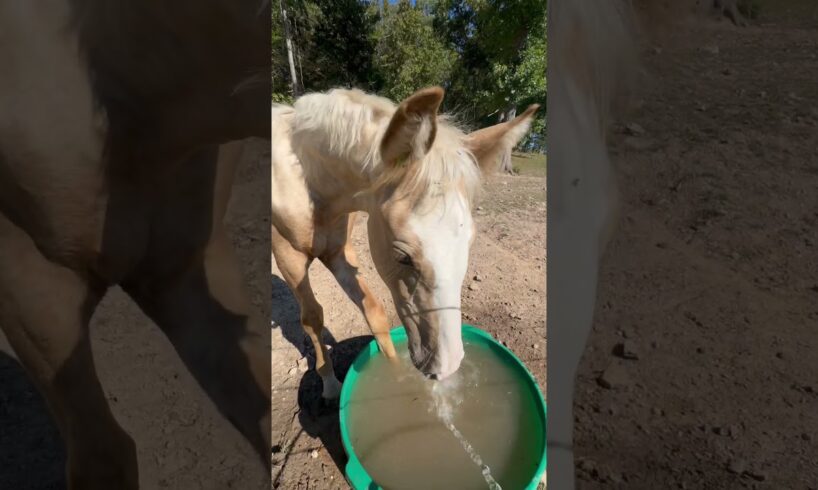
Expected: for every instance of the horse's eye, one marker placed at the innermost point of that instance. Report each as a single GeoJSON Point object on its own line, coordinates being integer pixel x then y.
{"type": "Point", "coordinates": [405, 259]}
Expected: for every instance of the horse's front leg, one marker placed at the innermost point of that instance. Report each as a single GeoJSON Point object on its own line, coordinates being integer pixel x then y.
{"type": "Point", "coordinates": [294, 266]}
{"type": "Point", "coordinates": [344, 266]}
{"type": "Point", "coordinates": [572, 282]}
{"type": "Point", "coordinates": [221, 339]}
{"type": "Point", "coordinates": [44, 311]}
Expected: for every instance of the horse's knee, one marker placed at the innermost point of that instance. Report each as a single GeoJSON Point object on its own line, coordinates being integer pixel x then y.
{"type": "Point", "coordinates": [312, 318]}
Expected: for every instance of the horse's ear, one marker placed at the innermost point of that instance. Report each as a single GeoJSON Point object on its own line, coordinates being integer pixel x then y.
{"type": "Point", "coordinates": [413, 128]}
{"type": "Point", "coordinates": [488, 143]}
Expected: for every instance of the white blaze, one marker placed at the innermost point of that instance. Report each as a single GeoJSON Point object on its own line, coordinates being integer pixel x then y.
{"type": "Point", "coordinates": [445, 233]}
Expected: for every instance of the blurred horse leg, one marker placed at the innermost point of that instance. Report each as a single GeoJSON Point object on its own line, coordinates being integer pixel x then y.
{"type": "Point", "coordinates": [44, 311]}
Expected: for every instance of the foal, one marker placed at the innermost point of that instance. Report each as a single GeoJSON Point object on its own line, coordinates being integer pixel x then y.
{"type": "Point", "coordinates": [416, 176]}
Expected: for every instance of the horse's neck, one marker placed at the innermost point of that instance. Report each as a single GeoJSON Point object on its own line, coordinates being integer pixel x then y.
{"type": "Point", "coordinates": [336, 186]}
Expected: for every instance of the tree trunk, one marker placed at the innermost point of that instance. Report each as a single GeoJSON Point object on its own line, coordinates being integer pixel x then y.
{"type": "Point", "coordinates": [505, 159]}
{"type": "Point", "coordinates": [290, 57]}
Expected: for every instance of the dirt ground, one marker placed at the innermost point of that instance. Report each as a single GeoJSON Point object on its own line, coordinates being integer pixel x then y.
{"type": "Point", "coordinates": [507, 301]}
{"type": "Point", "coordinates": [713, 269]}
{"type": "Point", "coordinates": [181, 439]}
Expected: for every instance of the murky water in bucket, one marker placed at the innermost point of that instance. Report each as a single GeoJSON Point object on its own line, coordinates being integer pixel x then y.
{"type": "Point", "coordinates": [477, 429]}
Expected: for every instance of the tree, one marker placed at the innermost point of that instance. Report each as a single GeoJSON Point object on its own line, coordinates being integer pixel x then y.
{"type": "Point", "coordinates": [489, 55]}
{"type": "Point", "coordinates": [288, 39]}
{"type": "Point", "coordinates": [325, 43]}
{"type": "Point", "coordinates": [501, 63]}
{"type": "Point", "coordinates": [408, 52]}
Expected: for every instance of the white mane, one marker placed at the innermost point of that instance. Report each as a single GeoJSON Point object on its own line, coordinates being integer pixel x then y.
{"type": "Point", "coordinates": [346, 128]}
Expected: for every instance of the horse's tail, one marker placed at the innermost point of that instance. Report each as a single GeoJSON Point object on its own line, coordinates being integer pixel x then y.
{"type": "Point", "coordinates": [592, 43]}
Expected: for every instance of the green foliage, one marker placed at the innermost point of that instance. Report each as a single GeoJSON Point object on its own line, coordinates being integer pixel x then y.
{"type": "Point", "coordinates": [489, 55]}
{"type": "Point", "coordinates": [331, 44]}
{"type": "Point", "coordinates": [408, 53]}
{"type": "Point", "coordinates": [279, 55]}
{"type": "Point", "coordinates": [502, 59]}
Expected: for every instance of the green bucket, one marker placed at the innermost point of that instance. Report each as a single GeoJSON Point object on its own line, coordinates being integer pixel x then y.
{"type": "Point", "coordinates": [356, 475]}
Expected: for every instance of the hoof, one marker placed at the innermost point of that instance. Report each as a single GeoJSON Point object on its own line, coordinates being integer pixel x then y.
{"type": "Point", "coordinates": [322, 407]}
{"type": "Point", "coordinates": [332, 388]}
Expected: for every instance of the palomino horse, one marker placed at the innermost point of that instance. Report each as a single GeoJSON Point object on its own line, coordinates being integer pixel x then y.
{"type": "Point", "coordinates": [110, 174]}
{"type": "Point", "coordinates": [591, 53]}
{"type": "Point", "coordinates": [416, 176]}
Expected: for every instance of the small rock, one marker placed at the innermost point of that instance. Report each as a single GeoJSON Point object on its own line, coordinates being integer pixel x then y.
{"type": "Point", "coordinates": [515, 316]}
{"type": "Point", "coordinates": [614, 376]}
{"type": "Point", "coordinates": [473, 287]}
{"type": "Point", "coordinates": [535, 346]}
{"type": "Point", "coordinates": [634, 129]}
{"type": "Point", "coordinates": [292, 371]}
{"type": "Point", "coordinates": [303, 364]}
{"type": "Point", "coordinates": [737, 466]}
{"type": "Point", "coordinates": [314, 454]}
{"type": "Point", "coordinates": [478, 278]}
{"type": "Point", "coordinates": [626, 350]}
{"type": "Point", "coordinates": [757, 475]}
{"type": "Point", "coordinates": [479, 208]}
{"type": "Point", "coordinates": [586, 465]}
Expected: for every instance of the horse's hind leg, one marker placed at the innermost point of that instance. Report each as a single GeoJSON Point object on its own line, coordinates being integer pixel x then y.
{"type": "Point", "coordinates": [44, 311]}
{"type": "Point", "coordinates": [344, 266]}
{"type": "Point", "coordinates": [294, 266]}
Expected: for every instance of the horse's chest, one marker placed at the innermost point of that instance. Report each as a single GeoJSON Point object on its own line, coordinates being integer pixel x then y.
{"type": "Point", "coordinates": [293, 208]}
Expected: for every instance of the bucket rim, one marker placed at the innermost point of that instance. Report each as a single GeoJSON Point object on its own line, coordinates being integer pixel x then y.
{"type": "Point", "coordinates": [356, 475]}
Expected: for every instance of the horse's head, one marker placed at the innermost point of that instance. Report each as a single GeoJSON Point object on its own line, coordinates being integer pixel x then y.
{"type": "Point", "coordinates": [421, 227]}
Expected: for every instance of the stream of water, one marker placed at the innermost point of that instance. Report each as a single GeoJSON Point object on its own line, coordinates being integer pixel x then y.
{"type": "Point", "coordinates": [473, 430]}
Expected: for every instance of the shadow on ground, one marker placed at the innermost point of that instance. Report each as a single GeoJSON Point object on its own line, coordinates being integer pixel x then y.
{"type": "Point", "coordinates": [31, 451]}
{"type": "Point", "coordinates": [319, 417]}
{"type": "Point", "coordinates": [286, 315]}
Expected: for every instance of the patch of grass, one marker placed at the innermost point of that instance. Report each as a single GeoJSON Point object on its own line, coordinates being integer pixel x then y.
{"type": "Point", "coordinates": [529, 164]}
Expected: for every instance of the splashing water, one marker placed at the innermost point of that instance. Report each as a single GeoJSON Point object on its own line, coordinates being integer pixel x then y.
{"type": "Point", "coordinates": [445, 394]}
{"type": "Point", "coordinates": [434, 429]}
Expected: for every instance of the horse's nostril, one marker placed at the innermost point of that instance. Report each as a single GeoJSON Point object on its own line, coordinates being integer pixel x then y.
{"type": "Point", "coordinates": [431, 376]}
